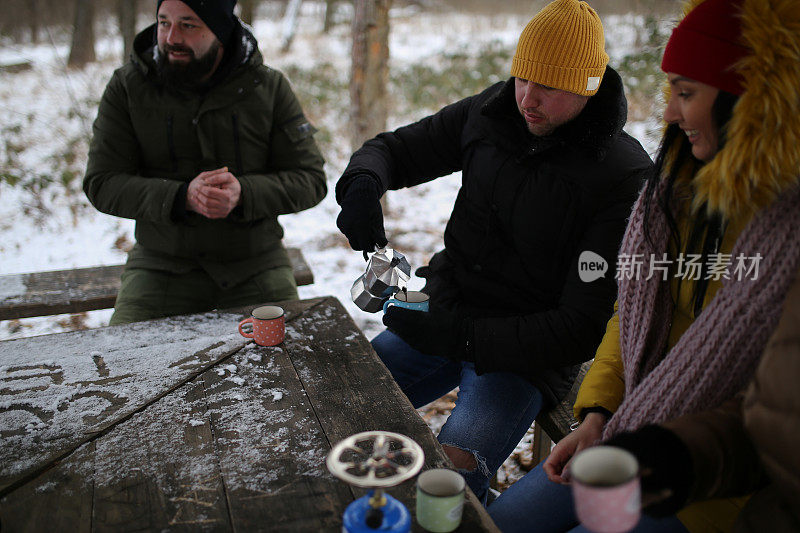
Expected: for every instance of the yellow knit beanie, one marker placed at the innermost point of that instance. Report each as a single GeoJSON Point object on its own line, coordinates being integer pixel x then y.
{"type": "Point", "coordinates": [563, 47]}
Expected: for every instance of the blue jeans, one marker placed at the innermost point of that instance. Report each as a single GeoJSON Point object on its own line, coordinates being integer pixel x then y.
{"type": "Point", "coordinates": [534, 503]}
{"type": "Point", "coordinates": [492, 413]}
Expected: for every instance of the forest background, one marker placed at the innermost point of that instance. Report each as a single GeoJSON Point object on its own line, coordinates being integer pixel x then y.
{"type": "Point", "coordinates": [56, 57]}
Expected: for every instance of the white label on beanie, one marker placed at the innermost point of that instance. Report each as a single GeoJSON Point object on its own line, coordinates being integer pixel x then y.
{"type": "Point", "coordinates": [592, 83]}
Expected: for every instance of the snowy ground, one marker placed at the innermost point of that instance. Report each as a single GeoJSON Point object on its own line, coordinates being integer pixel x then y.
{"type": "Point", "coordinates": [40, 231]}
{"type": "Point", "coordinates": [38, 103]}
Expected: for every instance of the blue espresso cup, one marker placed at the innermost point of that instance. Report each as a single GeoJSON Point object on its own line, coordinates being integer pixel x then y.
{"type": "Point", "coordinates": [414, 300]}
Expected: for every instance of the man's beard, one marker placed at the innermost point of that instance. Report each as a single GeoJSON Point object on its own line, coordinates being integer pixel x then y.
{"type": "Point", "coordinates": [186, 74]}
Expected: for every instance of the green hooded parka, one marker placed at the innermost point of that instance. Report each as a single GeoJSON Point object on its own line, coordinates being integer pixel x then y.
{"type": "Point", "coordinates": [150, 139]}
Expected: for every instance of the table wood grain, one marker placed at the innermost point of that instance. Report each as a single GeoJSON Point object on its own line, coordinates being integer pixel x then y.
{"type": "Point", "coordinates": [181, 424]}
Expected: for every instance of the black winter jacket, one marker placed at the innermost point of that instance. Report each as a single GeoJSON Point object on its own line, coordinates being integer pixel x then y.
{"type": "Point", "coordinates": [528, 206]}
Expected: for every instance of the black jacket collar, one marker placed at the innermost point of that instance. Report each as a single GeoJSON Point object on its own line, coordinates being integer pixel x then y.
{"type": "Point", "coordinates": [592, 132]}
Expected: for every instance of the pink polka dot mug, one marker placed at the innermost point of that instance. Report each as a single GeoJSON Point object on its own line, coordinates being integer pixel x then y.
{"type": "Point", "coordinates": [268, 325]}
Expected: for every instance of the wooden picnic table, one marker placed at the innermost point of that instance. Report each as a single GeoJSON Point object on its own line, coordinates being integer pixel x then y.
{"type": "Point", "coordinates": [182, 424]}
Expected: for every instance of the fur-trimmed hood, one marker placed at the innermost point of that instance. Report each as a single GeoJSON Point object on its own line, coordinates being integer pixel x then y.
{"type": "Point", "coordinates": [761, 157]}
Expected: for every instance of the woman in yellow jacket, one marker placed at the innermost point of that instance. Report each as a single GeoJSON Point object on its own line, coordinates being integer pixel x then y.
{"type": "Point", "coordinates": [710, 251]}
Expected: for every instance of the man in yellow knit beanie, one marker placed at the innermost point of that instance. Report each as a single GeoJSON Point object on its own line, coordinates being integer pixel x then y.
{"type": "Point", "coordinates": [522, 290]}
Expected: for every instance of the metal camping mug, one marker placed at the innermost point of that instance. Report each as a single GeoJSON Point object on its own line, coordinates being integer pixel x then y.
{"type": "Point", "coordinates": [440, 499]}
{"type": "Point", "coordinates": [269, 326]}
{"type": "Point", "coordinates": [605, 487]}
{"type": "Point", "coordinates": [414, 300]}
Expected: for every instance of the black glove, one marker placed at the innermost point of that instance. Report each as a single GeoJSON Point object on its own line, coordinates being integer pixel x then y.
{"type": "Point", "coordinates": [665, 465]}
{"type": "Point", "coordinates": [440, 332]}
{"type": "Point", "coordinates": [361, 219]}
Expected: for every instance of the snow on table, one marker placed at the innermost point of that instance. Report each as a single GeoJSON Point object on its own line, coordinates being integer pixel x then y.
{"type": "Point", "coordinates": [182, 422]}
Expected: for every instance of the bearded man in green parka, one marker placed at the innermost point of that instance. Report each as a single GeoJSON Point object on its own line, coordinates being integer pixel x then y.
{"type": "Point", "coordinates": [204, 146]}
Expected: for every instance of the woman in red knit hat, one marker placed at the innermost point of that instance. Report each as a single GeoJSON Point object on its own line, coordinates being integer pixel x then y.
{"type": "Point", "coordinates": [710, 252]}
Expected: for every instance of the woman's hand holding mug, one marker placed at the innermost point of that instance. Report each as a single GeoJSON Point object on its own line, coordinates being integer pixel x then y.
{"type": "Point", "coordinates": [585, 436]}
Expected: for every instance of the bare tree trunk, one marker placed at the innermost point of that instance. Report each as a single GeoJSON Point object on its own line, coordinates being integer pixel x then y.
{"type": "Point", "coordinates": [33, 17]}
{"type": "Point", "coordinates": [370, 69]}
{"type": "Point", "coordinates": [248, 11]}
{"type": "Point", "coordinates": [82, 51]}
{"type": "Point", "coordinates": [330, 9]}
{"type": "Point", "coordinates": [126, 11]}
{"type": "Point", "coordinates": [290, 24]}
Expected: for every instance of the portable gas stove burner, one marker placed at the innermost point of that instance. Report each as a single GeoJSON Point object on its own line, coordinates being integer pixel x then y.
{"type": "Point", "coordinates": [376, 460]}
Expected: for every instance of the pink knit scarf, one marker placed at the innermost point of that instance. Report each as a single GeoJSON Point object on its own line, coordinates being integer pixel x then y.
{"type": "Point", "coordinates": [718, 354]}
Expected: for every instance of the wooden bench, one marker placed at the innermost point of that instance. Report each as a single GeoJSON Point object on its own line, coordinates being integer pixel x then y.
{"type": "Point", "coordinates": [553, 425]}
{"type": "Point", "coordinates": [14, 68]}
{"type": "Point", "coordinates": [84, 289]}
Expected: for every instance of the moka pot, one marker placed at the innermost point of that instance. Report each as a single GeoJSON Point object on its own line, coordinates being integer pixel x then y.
{"type": "Point", "coordinates": [388, 271]}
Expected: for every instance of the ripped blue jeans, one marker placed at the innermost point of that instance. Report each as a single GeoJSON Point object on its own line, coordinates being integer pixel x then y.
{"type": "Point", "coordinates": [492, 413]}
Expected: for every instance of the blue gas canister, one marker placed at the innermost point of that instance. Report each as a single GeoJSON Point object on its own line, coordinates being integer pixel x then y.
{"type": "Point", "coordinates": [361, 517]}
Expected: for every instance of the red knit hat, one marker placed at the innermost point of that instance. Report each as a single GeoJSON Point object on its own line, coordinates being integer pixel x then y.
{"type": "Point", "coordinates": [706, 45]}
